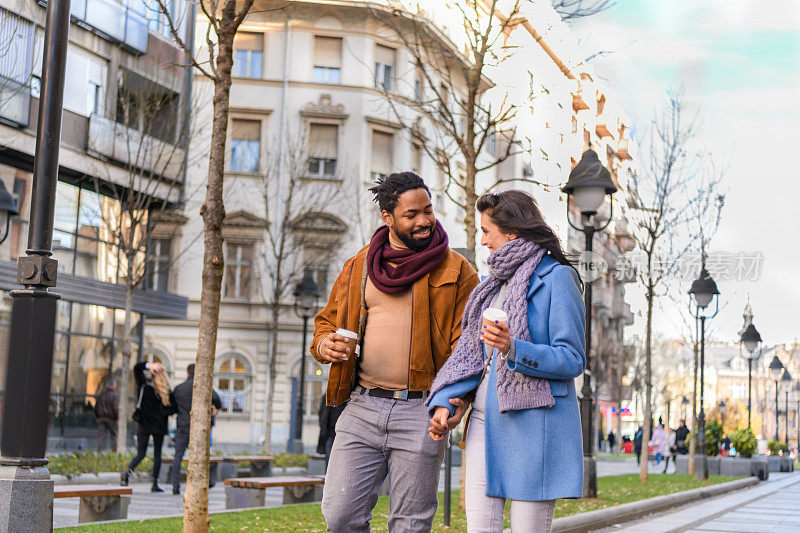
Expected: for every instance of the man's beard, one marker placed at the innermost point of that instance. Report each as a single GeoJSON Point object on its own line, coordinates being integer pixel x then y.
{"type": "Point", "coordinates": [414, 244]}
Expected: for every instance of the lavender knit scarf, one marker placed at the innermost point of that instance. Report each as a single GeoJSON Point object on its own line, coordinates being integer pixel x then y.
{"type": "Point", "coordinates": [514, 263]}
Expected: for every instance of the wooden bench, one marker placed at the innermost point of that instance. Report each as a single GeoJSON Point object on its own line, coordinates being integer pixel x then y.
{"type": "Point", "coordinates": [260, 465]}
{"type": "Point", "coordinates": [98, 502]}
{"type": "Point", "coordinates": [213, 466]}
{"type": "Point", "coordinates": [316, 464]}
{"type": "Point", "coordinates": [245, 492]}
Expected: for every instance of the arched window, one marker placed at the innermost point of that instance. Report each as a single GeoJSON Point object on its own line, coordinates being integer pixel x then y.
{"type": "Point", "coordinates": [232, 381]}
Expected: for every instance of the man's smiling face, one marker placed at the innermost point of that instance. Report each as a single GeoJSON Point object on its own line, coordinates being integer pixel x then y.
{"type": "Point", "coordinates": [412, 220]}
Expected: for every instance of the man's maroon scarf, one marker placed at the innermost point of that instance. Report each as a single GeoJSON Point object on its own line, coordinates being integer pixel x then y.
{"type": "Point", "coordinates": [411, 265]}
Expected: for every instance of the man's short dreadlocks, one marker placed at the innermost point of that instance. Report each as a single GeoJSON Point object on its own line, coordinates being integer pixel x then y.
{"type": "Point", "coordinates": [389, 189]}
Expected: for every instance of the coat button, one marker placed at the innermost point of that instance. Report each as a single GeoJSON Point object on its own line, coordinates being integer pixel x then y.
{"type": "Point", "coordinates": [535, 365]}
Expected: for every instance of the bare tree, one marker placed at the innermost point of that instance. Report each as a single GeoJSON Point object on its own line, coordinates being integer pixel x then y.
{"type": "Point", "coordinates": [214, 61]}
{"type": "Point", "coordinates": [575, 9]}
{"type": "Point", "coordinates": [658, 211]}
{"type": "Point", "coordinates": [143, 157]}
{"type": "Point", "coordinates": [469, 133]}
{"type": "Point", "coordinates": [294, 241]}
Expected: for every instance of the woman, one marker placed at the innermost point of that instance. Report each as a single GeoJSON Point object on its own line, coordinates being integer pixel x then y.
{"type": "Point", "coordinates": [152, 386]}
{"type": "Point", "coordinates": [523, 438]}
{"type": "Point", "coordinates": [659, 441]}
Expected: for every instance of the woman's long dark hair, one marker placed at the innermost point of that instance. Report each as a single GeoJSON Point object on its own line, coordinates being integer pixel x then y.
{"type": "Point", "coordinates": [516, 212]}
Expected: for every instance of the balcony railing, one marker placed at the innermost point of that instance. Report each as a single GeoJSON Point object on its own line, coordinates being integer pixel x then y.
{"type": "Point", "coordinates": [111, 20]}
{"type": "Point", "coordinates": [130, 147]}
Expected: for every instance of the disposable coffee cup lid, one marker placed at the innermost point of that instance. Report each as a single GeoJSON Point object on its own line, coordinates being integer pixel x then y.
{"type": "Point", "coordinates": [346, 333]}
{"type": "Point", "coordinates": [493, 314]}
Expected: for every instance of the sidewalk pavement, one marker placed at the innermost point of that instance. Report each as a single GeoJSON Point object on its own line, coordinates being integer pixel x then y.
{"type": "Point", "coordinates": [770, 507]}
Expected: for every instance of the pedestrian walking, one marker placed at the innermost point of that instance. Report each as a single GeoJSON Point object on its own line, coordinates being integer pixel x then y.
{"type": "Point", "coordinates": [601, 439]}
{"type": "Point", "coordinates": [152, 409]}
{"type": "Point", "coordinates": [637, 444]}
{"type": "Point", "coordinates": [612, 441]}
{"type": "Point", "coordinates": [328, 416]}
{"type": "Point", "coordinates": [523, 435]}
{"type": "Point", "coordinates": [672, 449]}
{"type": "Point", "coordinates": [402, 297]}
{"type": "Point", "coordinates": [181, 399]}
{"type": "Point", "coordinates": [106, 413]}
{"type": "Point", "coordinates": [659, 441]}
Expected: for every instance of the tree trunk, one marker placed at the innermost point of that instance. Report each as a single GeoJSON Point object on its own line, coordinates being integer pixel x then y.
{"type": "Point", "coordinates": [125, 377]}
{"type": "Point", "coordinates": [273, 374]}
{"type": "Point", "coordinates": [470, 198]}
{"type": "Point", "coordinates": [195, 507]}
{"type": "Point", "coordinates": [648, 386]}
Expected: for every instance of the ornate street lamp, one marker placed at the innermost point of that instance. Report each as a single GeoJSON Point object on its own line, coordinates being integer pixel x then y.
{"type": "Point", "coordinates": [588, 185]}
{"type": "Point", "coordinates": [703, 289]}
{"type": "Point", "coordinates": [775, 371]}
{"type": "Point", "coordinates": [751, 339]}
{"type": "Point", "coordinates": [306, 294]}
{"type": "Point", "coordinates": [723, 407]}
{"type": "Point", "coordinates": [787, 383]}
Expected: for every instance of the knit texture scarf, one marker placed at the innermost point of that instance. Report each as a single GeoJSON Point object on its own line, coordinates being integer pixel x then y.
{"type": "Point", "coordinates": [410, 266]}
{"type": "Point", "coordinates": [513, 263]}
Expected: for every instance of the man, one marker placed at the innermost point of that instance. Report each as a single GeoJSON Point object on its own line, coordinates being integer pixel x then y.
{"type": "Point", "coordinates": [637, 444]}
{"type": "Point", "coordinates": [181, 400]}
{"type": "Point", "coordinates": [106, 412]}
{"type": "Point", "coordinates": [680, 438]}
{"type": "Point", "coordinates": [612, 441]}
{"type": "Point", "coordinates": [414, 290]}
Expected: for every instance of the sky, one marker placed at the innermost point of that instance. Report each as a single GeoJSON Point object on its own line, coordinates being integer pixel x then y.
{"type": "Point", "coordinates": [739, 64]}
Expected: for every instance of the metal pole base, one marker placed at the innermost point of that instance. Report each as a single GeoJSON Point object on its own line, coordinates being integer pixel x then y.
{"type": "Point", "coordinates": [701, 467]}
{"type": "Point", "coordinates": [296, 446]}
{"type": "Point", "coordinates": [589, 477]}
{"type": "Point", "coordinates": [26, 499]}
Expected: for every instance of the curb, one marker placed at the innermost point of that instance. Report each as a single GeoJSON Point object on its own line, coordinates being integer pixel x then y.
{"type": "Point", "coordinates": [594, 520]}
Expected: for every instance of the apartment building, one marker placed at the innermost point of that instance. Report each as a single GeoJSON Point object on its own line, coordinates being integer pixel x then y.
{"type": "Point", "coordinates": [119, 62]}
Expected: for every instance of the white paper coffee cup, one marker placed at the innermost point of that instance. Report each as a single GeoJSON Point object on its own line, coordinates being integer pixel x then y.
{"type": "Point", "coordinates": [492, 314]}
{"type": "Point", "coordinates": [352, 339]}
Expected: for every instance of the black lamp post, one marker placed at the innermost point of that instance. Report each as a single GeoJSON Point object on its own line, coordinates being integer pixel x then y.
{"type": "Point", "coordinates": [704, 289]}
{"type": "Point", "coordinates": [306, 294]}
{"type": "Point", "coordinates": [23, 474]}
{"type": "Point", "coordinates": [685, 404]}
{"type": "Point", "coordinates": [751, 338]}
{"type": "Point", "coordinates": [723, 408]}
{"type": "Point", "coordinates": [589, 183]}
{"type": "Point", "coordinates": [787, 383]}
{"type": "Point", "coordinates": [775, 370]}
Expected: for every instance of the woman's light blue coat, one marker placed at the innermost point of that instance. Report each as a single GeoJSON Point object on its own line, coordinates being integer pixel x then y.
{"type": "Point", "coordinates": [536, 454]}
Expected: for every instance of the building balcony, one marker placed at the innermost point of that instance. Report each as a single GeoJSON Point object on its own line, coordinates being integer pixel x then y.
{"type": "Point", "coordinates": [622, 150]}
{"type": "Point", "coordinates": [131, 148]}
{"type": "Point", "coordinates": [601, 127]}
{"type": "Point", "coordinates": [578, 104]}
{"type": "Point", "coordinates": [15, 102]}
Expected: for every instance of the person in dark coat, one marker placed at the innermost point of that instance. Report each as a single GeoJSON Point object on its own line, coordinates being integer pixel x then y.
{"type": "Point", "coordinates": [106, 412]}
{"type": "Point", "coordinates": [612, 441]}
{"type": "Point", "coordinates": [327, 427]}
{"type": "Point", "coordinates": [152, 386]}
{"type": "Point", "coordinates": [637, 444]}
{"type": "Point", "coordinates": [680, 438]}
{"type": "Point", "coordinates": [181, 398]}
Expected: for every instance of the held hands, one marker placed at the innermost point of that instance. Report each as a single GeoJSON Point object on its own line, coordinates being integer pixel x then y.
{"type": "Point", "coordinates": [441, 424]}
{"type": "Point", "coordinates": [333, 348]}
{"type": "Point", "coordinates": [497, 335]}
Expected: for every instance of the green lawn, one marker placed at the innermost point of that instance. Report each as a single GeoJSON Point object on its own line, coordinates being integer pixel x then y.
{"type": "Point", "coordinates": [612, 490]}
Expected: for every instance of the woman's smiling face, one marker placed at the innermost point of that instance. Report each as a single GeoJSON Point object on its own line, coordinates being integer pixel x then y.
{"type": "Point", "coordinates": [492, 237]}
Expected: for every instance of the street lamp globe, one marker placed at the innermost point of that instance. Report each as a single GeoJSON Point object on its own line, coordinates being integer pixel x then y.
{"type": "Point", "coordinates": [8, 209]}
{"type": "Point", "coordinates": [589, 183]}
{"type": "Point", "coordinates": [787, 379]}
{"type": "Point", "coordinates": [722, 407]}
{"type": "Point", "coordinates": [750, 338]}
{"type": "Point", "coordinates": [703, 289]}
{"type": "Point", "coordinates": [775, 368]}
{"type": "Point", "coordinates": [306, 294]}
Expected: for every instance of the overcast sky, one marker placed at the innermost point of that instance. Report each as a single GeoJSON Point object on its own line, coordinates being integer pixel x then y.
{"type": "Point", "coordinates": [739, 62]}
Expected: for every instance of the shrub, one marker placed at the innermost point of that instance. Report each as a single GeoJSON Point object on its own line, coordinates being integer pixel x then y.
{"type": "Point", "coordinates": [283, 460]}
{"type": "Point", "coordinates": [714, 435]}
{"type": "Point", "coordinates": [776, 447]}
{"type": "Point", "coordinates": [91, 462]}
{"type": "Point", "coordinates": [745, 442]}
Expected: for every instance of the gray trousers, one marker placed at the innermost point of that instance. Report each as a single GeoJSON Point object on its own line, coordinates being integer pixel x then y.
{"type": "Point", "coordinates": [106, 434]}
{"type": "Point", "coordinates": [376, 437]}
{"type": "Point", "coordinates": [181, 442]}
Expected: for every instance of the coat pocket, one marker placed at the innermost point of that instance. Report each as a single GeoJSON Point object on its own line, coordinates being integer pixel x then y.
{"type": "Point", "coordinates": [558, 387]}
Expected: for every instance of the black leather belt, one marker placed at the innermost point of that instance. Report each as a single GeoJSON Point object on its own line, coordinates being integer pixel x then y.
{"type": "Point", "coordinates": [404, 394]}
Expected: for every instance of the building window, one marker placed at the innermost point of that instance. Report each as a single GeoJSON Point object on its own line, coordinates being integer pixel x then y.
{"type": "Point", "coordinates": [574, 124]}
{"type": "Point", "coordinates": [238, 270]}
{"type": "Point", "coordinates": [245, 145]}
{"type": "Point", "coordinates": [416, 158]}
{"type": "Point", "coordinates": [441, 184]}
{"type": "Point", "coordinates": [319, 273]}
{"type": "Point", "coordinates": [248, 55]}
{"type": "Point", "coordinates": [159, 261]}
{"type": "Point", "coordinates": [145, 106]}
{"type": "Point", "coordinates": [419, 85]}
{"type": "Point", "coordinates": [327, 59]}
{"type": "Point", "coordinates": [323, 146]}
{"type": "Point", "coordinates": [384, 67]}
{"type": "Point", "coordinates": [233, 384]}
{"type": "Point", "coordinates": [154, 355]}
{"type": "Point", "coordinates": [381, 155]}
{"type": "Point", "coordinates": [94, 95]}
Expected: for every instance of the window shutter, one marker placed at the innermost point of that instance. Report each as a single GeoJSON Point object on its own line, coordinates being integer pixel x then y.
{"type": "Point", "coordinates": [327, 51]}
{"type": "Point", "coordinates": [323, 141]}
{"type": "Point", "coordinates": [249, 41]}
{"type": "Point", "coordinates": [247, 130]}
{"type": "Point", "coordinates": [384, 54]}
{"type": "Point", "coordinates": [381, 152]}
